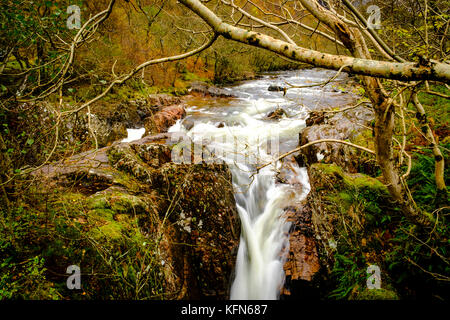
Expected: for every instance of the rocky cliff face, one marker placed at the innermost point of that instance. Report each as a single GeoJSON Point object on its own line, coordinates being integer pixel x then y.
{"type": "Point", "coordinates": [339, 229]}
{"type": "Point", "coordinates": [179, 220]}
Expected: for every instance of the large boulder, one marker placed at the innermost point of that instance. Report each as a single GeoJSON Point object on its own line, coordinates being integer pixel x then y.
{"type": "Point", "coordinates": [180, 219]}
{"type": "Point", "coordinates": [162, 99]}
{"type": "Point", "coordinates": [350, 125]}
{"type": "Point", "coordinates": [302, 264]}
{"type": "Point", "coordinates": [276, 114]}
{"type": "Point", "coordinates": [348, 213]}
{"type": "Point", "coordinates": [109, 120]}
{"type": "Point", "coordinates": [276, 88]}
{"type": "Point", "coordinates": [162, 120]}
{"type": "Point", "coordinates": [302, 260]}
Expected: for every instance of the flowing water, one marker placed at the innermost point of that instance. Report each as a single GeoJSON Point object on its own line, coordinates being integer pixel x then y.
{"type": "Point", "coordinates": [134, 134]}
{"type": "Point", "coordinates": [240, 133]}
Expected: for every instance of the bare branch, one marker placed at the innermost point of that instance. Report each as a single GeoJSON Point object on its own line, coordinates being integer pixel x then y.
{"type": "Point", "coordinates": [313, 143]}
{"type": "Point", "coordinates": [383, 69]}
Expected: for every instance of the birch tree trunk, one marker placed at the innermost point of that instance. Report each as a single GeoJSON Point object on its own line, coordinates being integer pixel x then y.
{"type": "Point", "coordinates": [359, 63]}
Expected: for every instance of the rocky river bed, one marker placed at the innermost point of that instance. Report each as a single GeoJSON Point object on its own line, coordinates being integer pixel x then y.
{"type": "Point", "coordinates": [222, 229]}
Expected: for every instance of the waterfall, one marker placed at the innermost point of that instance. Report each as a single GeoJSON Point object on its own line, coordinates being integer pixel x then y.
{"type": "Point", "coordinates": [259, 265]}
{"type": "Point", "coordinates": [241, 135]}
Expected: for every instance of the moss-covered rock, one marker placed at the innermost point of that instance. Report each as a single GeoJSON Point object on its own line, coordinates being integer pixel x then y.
{"type": "Point", "coordinates": [177, 221]}
{"type": "Point", "coordinates": [349, 213]}
{"type": "Point", "coordinates": [377, 294]}
{"type": "Point", "coordinates": [349, 126]}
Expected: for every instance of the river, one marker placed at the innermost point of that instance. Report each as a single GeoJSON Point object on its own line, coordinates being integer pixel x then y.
{"type": "Point", "coordinates": [241, 134]}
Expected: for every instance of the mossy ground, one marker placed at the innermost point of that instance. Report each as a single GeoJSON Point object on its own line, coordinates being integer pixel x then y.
{"type": "Point", "coordinates": [101, 234]}
{"type": "Point", "coordinates": [128, 234]}
{"type": "Point", "coordinates": [360, 225]}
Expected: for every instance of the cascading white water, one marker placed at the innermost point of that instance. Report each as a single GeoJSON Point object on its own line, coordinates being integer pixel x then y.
{"type": "Point", "coordinates": [134, 134]}
{"type": "Point", "coordinates": [239, 133]}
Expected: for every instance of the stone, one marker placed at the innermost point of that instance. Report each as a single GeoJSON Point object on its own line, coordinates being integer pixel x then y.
{"type": "Point", "coordinates": [136, 191]}
{"type": "Point", "coordinates": [275, 88]}
{"type": "Point", "coordinates": [340, 126]}
{"type": "Point", "coordinates": [278, 113]}
{"type": "Point", "coordinates": [206, 90]}
{"type": "Point", "coordinates": [162, 120]}
{"type": "Point", "coordinates": [315, 117]}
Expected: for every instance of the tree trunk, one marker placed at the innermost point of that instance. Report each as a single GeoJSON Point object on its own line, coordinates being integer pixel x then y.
{"type": "Point", "coordinates": [361, 64]}
{"type": "Point", "coordinates": [439, 167]}
{"type": "Point", "coordinates": [384, 112]}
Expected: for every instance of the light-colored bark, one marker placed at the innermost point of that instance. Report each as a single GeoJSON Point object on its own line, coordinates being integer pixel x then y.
{"type": "Point", "coordinates": [360, 63]}
{"type": "Point", "coordinates": [383, 69]}
{"type": "Point", "coordinates": [438, 158]}
{"type": "Point", "coordinates": [384, 113]}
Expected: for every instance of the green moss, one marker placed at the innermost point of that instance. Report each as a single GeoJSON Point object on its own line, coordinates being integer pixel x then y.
{"type": "Point", "coordinates": [346, 197]}
{"type": "Point", "coordinates": [126, 203]}
{"type": "Point", "coordinates": [111, 231]}
{"type": "Point", "coordinates": [364, 138]}
{"type": "Point", "coordinates": [377, 294]}
{"type": "Point", "coordinates": [355, 207]}
{"type": "Point", "coordinates": [358, 181]}
{"type": "Point", "coordinates": [329, 169]}
{"type": "Point", "coordinates": [127, 181]}
{"type": "Point", "coordinates": [98, 202]}
{"type": "Point", "coordinates": [68, 198]}
{"type": "Point", "coordinates": [365, 182]}
{"type": "Point", "coordinates": [101, 214]}
{"type": "Point", "coordinates": [189, 76]}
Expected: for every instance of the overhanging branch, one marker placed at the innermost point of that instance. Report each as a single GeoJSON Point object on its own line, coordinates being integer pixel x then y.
{"type": "Point", "coordinates": [407, 71]}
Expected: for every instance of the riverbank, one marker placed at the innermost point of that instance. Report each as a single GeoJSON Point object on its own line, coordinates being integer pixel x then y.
{"type": "Point", "coordinates": [125, 212]}
{"type": "Point", "coordinates": [350, 226]}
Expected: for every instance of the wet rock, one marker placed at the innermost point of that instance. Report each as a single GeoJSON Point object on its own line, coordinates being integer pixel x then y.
{"type": "Point", "coordinates": [161, 99]}
{"type": "Point", "coordinates": [109, 120]}
{"type": "Point", "coordinates": [315, 117]}
{"type": "Point", "coordinates": [342, 126]}
{"type": "Point", "coordinates": [275, 88]}
{"type": "Point", "coordinates": [303, 261]}
{"type": "Point", "coordinates": [188, 123]}
{"type": "Point", "coordinates": [107, 131]}
{"type": "Point", "coordinates": [206, 90]}
{"type": "Point", "coordinates": [289, 173]}
{"type": "Point", "coordinates": [207, 220]}
{"type": "Point", "coordinates": [248, 75]}
{"type": "Point", "coordinates": [278, 113]}
{"type": "Point", "coordinates": [162, 120]}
